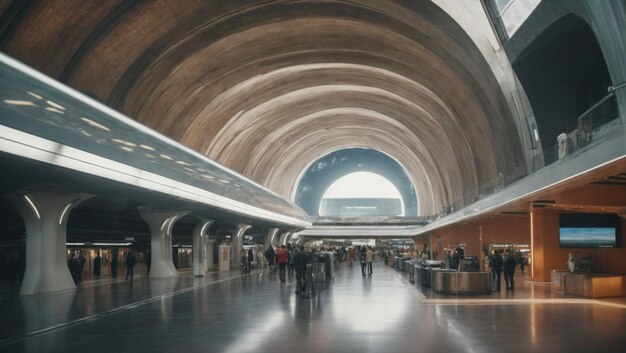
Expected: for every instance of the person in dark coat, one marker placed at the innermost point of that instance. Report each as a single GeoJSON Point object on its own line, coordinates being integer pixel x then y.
{"type": "Point", "coordinates": [509, 270]}
{"type": "Point", "coordinates": [75, 268]}
{"type": "Point", "coordinates": [456, 258]}
{"type": "Point", "coordinates": [250, 259]}
{"type": "Point", "coordinates": [114, 264]}
{"type": "Point", "coordinates": [130, 265]}
{"type": "Point", "coordinates": [496, 269]}
{"type": "Point", "coordinates": [97, 261]}
{"type": "Point", "coordinates": [300, 260]}
{"type": "Point", "coordinates": [147, 258]}
{"type": "Point", "coordinates": [363, 259]}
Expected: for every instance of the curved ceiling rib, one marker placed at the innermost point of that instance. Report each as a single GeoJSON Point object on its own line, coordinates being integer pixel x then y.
{"type": "Point", "coordinates": [267, 87]}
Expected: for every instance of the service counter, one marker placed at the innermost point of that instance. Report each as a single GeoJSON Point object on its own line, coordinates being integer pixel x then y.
{"type": "Point", "coordinates": [448, 281]}
{"type": "Point", "coordinates": [410, 268]}
{"type": "Point", "coordinates": [558, 279]}
{"type": "Point", "coordinates": [423, 272]}
{"type": "Point", "coordinates": [398, 262]}
{"type": "Point", "coordinates": [594, 285]}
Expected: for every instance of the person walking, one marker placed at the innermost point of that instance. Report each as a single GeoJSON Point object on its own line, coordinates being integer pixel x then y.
{"type": "Point", "coordinates": [290, 255]}
{"type": "Point", "coordinates": [130, 265]}
{"type": "Point", "coordinates": [74, 265]}
{"type": "Point", "coordinates": [114, 264]}
{"type": "Point", "coordinates": [96, 265]}
{"type": "Point", "coordinates": [496, 269]}
{"type": "Point", "coordinates": [250, 259]}
{"type": "Point", "coordinates": [300, 260]}
{"type": "Point", "coordinates": [282, 262]}
{"type": "Point", "coordinates": [259, 258]}
{"type": "Point", "coordinates": [509, 270]}
{"type": "Point", "coordinates": [363, 259]}
{"type": "Point", "coordinates": [269, 255]}
{"type": "Point", "coordinates": [147, 258]}
{"type": "Point", "coordinates": [369, 257]}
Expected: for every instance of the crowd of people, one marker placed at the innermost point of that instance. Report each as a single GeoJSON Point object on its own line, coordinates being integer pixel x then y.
{"type": "Point", "coordinates": [288, 260]}
{"type": "Point", "coordinates": [76, 264]}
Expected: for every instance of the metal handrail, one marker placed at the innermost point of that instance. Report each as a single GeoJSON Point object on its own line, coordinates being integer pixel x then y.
{"type": "Point", "coordinates": [504, 180]}
{"type": "Point", "coordinates": [611, 93]}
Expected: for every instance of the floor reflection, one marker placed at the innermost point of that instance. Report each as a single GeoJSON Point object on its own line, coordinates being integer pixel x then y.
{"type": "Point", "coordinates": [227, 312]}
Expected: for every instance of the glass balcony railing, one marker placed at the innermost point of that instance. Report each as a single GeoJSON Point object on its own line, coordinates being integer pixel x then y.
{"type": "Point", "coordinates": [598, 123]}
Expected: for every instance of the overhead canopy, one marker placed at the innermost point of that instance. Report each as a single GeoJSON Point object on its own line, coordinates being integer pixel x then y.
{"type": "Point", "coordinates": [267, 87]}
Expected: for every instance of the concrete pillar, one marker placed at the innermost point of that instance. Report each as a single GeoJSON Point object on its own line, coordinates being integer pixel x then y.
{"type": "Point", "coordinates": [45, 216]}
{"type": "Point", "coordinates": [237, 244]}
{"type": "Point", "coordinates": [199, 246]}
{"type": "Point", "coordinates": [161, 224]}
{"type": "Point", "coordinates": [271, 237]}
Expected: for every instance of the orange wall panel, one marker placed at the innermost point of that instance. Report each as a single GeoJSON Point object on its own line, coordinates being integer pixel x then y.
{"type": "Point", "coordinates": [548, 255]}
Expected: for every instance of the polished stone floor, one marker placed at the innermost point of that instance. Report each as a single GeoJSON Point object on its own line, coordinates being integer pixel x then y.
{"type": "Point", "coordinates": [228, 312]}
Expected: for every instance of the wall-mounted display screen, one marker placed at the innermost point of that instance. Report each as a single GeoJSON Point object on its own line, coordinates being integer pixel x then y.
{"type": "Point", "coordinates": [589, 230]}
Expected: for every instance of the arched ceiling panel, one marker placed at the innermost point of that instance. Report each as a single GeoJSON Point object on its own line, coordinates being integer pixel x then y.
{"type": "Point", "coordinates": [53, 31]}
{"type": "Point", "coordinates": [267, 87]}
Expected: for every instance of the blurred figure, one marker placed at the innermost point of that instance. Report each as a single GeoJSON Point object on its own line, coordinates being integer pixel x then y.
{"type": "Point", "coordinates": [250, 259]}
{"type": "Point", "coordinates": [496, 269]}
{"type": "Point", "coordinates": [75, 268]}
{"type": "Point", "coordinates": [369, 257]}
{"type": "Point", "coordinates": [269, 255]}
{"type": "Point", "coordinates": [130, 265]}
{"type": "Point", "coordinates": [97, 261]}
{"type": "Point", "coordinates": [509, 270]}
{"type": "Point", "coordinates": [114, 264]}
{"type": "Point", "coordinates": [282, 256]}
{"type": "Point", "coordinates": [300, 260]}
{"type": "Point", "coordinates": [562, 143]}
{"type": "Point", "coordinates": [363, 259]}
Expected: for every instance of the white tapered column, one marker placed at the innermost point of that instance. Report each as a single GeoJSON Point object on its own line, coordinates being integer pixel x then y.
{"type": "Point", "coordinates": [45, 217]}
{"type": "Point", "coordinates": [293, 239]}
{"type": "Point", "coordinates": [289, 237]}
{"type": "Point", "coordinates": [283, 237]}
{"type": "Point", "coordinates": [271, 237]}
{"type": "Point", "coordinates": [199, 245]}
{"type": "Point", "coordinates": [237, 244]}
{"type": "Point", "coordinates": [161, 224]}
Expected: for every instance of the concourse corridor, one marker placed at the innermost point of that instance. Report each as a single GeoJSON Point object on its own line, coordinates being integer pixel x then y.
{"type": "Point", "coordinates": [228, 312]}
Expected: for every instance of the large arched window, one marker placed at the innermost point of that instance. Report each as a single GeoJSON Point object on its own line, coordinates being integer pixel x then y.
{"type": "Point", "coordinates": [373, 168]}
{"type": "Point", "coordinates": [362, 194]}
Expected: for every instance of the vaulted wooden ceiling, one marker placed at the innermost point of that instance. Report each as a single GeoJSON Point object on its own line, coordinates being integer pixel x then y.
{"type": "Point", "coordinates": [267, 87]}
